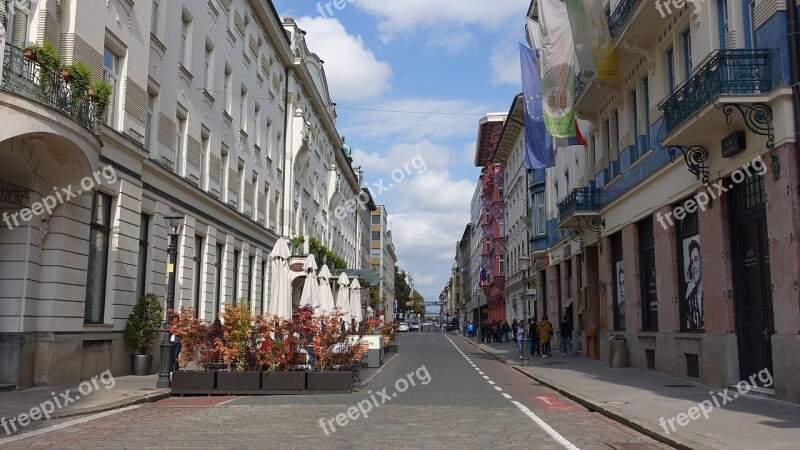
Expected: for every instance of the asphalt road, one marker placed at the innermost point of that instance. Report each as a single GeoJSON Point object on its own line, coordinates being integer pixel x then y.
{"type": "Point", "coordinates": [438, 392]}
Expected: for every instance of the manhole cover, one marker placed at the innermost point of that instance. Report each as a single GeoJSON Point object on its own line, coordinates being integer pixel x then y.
{"type": "Point", "coordinates": [554, 363]}
{"type": "Point", "coordinates": [678, 385]}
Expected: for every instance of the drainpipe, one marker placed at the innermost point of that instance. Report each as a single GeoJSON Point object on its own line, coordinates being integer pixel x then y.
{"type": "Point", "coordinates": [794, 66]}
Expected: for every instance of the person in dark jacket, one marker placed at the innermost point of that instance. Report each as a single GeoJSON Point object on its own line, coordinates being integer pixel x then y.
{"type": "Point", "coordinates": [514, 328]}
{"type": "Point", "coordinates": [533, 336]}
{"type": "Point", "coordinates": [506, 331]}
{"type": "Point", "coordinates": [566, 337]}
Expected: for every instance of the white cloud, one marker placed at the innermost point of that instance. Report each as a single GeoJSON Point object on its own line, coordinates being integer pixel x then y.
{"type": "Point", "coordinates": [353, 71]}
{"type": "Point", "coordinates": [405, 17]}
{"type": "Point", "coordinates": [410, 158]}
{"type": "Point", "coordinates": [505, 65]}
{"type": "Point", "coordinates": [452, 42]}
{"type": "Point", "coordinates": [416, 119]}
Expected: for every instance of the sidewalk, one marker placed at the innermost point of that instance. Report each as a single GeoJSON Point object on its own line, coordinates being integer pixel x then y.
{"type": "Point", "coordinates": [123, 391]}
{"type": "Point", "coordinates": [640, 398]}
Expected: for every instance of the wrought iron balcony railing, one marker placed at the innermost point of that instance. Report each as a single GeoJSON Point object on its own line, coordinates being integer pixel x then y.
{"type": "Point", "coordinates": [619, 17]}
{"type": "Point", "coordinates": [724, 72]}
{"type": "Point", "coordinates": [579, 84]}
{"type": "Point", "coordinates": [26, 78]}
{"type": "Point", "coordinates": [583, 199]}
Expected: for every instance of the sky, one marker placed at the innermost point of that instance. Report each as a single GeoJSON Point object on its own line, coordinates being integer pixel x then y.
{"type": "Point", "coordinates": [392, 63]}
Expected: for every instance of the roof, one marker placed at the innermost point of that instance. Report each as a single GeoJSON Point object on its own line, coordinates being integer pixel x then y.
{"type": "Point", "coordinates": [367, 277]}
{"type": "Point", "coordinates": [489, 129]}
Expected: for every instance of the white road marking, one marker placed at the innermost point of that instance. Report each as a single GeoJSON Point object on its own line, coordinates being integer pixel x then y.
{"type": "Point", "coordinates": [506, 395]}
{"type": "Point", "coordinates": [499, 388]}
{"type": "Point", "coordinates": [544, 426]}
{"type": "Point", "coordinates": [491, 382]}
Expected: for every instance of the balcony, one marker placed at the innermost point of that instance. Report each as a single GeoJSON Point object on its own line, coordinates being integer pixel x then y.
{"type": "Point", "coordinates": [579, 203]}
{"type": "Point", "coordinates": [620, 16]}
{"type": "Point", "coordinates": [724, 72]}
{"type": "Point", "coordinates": [24, 77]}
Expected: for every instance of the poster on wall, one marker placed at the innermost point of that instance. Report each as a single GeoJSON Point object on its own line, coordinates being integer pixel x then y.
{"type": "Point", "coordinates": [693, 297]}
{"type": "Point", "coordinates": [620, 300]}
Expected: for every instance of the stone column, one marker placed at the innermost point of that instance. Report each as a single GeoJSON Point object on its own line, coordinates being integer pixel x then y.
{"type": "Point", "coordinates": [666, 273]}
{"type": "Point", "coordinates": [630, 265]}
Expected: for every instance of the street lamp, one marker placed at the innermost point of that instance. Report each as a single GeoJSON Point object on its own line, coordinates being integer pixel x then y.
{"type": "Point", "coordinates": [174, 221]}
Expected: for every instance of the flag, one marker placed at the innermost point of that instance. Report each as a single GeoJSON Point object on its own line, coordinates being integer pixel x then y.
{"type": "Point", "coordinates": [578, 139]}
{"type": "Point", "coordinates": [534, 34]}
{"type": "Point", "coordinates": [484, 276]}
{"type": "Point", "coordinates": [580, 35]}
{"type": "Point", "coordinates": [538, 145]}
{"type": "Point", "coordinates": [602, 45]}
{"type": "Point", "coordinates": [558, 69]}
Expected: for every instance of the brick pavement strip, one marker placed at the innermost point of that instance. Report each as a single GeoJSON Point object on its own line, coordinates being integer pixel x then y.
{"type": "Point", "coordinates": [270, 426]}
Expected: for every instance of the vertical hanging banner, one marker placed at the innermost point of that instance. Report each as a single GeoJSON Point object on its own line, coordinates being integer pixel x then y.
{"type": "Point", "coordinates": [584, 48]}
{"type": "Point", "coordinates": [538, 145]}
{"type": "Point", "coordinates": [602, 46]}
{"type": "Point", "coordinates": [558, 69]}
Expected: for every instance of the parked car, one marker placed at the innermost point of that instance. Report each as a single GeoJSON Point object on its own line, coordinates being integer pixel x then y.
{"type": "Point", "coordinates": [452, 325]}
{"type": "Point", "coordinates": [403, 326]}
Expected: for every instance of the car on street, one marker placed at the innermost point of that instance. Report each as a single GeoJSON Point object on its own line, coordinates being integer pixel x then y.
{"type": "Point", "coordinates": [403, 326]}
{"type": "Point", "coordinates": [428, 323]}
{"type": "Point", "coordinates": [414, 326]}
{"type": "Point", "coordinates": [452, 325]}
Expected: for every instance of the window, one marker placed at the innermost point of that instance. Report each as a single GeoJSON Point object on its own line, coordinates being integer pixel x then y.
{"type": "Point", "coordinates": [257, 125]}
{"type": "Point", "coordinates": [205, 150]}
{"type": "Point", "coordinates": [540, 215]}
{"type": "Point", "coordinates": [199, 249]}
{"type": "Point", "coordinates": [111, 64]}
{"type": "Point", "coordinates": [144, 233]}
{"type": "Point", "coordinates": [376, 254]}
{"type": "Point", "coordinates": [616, 134]}
{"type": "Point", "coordinates": [687, 53]}
{"type": "Point", "coordinates": [647, 278]}
{"type": "Point", "coordinates": [154, 19]}
{"type": "Point", "coordinates": [634, 117]}
{"type": "Point", "coordinates": [225, 162]}
{"type": "Point", "coordinates": [99, 232]}
{"type": "Point", "coordinates": [646, 96]}
{"type": "Point", "coordinates": [263, 285]}
{"type": "Point", "coordinates": [183, 55]}
{"type": "Point", "coordinates": [376, 219]}
{"type": "Point", "coordinates": [208, 70]}
{"type": "Point", "coordinates": [722, 18]}
{"type": "Point", "coordinates": [749, 25]}
{"type": "Point", "coordinates": [670, 55]}
{"type": "Point", "coordinates": [148, 126]}
{"type": "Point", "coordinates": [218, 284]}
{"type": "Point", "coordinates": [376, 235]}
{"type": "Point", "coordinates": [180, 144]}
{"type": "Point", "coordinates": [19, 27]}
{"type": "Point", "coordinates": [235, 277]}
{"type": "Point", "coordinates": [250, 279]}
{"type": "Point", "coordinates": [243, 109]}
{"type": "Point", "coordinates": [227, 89]}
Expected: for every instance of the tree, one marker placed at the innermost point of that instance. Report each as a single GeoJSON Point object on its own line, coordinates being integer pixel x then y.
{"type": "Point", "coordinates": [374, 296]}
{"type": "Point", "coordinates": [402, 292]}
{"type": "Point", "coordinates": [419, 304]}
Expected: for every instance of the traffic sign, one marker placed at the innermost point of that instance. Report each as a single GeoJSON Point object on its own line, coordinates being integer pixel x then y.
{"type": "Point", "coordinates": [434, 303]}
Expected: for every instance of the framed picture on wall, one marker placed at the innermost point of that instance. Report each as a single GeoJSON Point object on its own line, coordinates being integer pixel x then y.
{"type": "Point", "coordinates": [692, 295]}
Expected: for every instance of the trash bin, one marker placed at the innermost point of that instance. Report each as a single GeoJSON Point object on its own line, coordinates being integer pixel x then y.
{"type": "Point", "coordinates": [618, 351]}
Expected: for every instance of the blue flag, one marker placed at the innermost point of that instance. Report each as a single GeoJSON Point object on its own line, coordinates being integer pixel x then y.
{"type": "Point", "coordinates": [538, 144]}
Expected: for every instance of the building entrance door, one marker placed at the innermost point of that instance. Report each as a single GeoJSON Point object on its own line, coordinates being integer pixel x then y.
{"type": "Point", "coordinates": [755, 322]}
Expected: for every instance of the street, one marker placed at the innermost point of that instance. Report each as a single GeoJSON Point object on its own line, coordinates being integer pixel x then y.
{"type": "Point", "coordinates": [438, 392]}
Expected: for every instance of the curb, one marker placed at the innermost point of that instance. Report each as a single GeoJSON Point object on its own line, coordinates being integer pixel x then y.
{"type": "Point", "coordinates": [147, 398]}
{"type": "Point", "coordinates": [603, 409]}
{"type": "Point", "coordinates": [366, 381]}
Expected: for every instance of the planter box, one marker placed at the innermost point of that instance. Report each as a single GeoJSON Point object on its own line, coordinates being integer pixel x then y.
{"type": "Point", "coordinates": [190, 381]}
{"type": "Point", "coordinates": [283, 381]}
{"type": "Point", "coordinates": [391, 348]}
{"type": "Point", "coordinates": [238, 381]}
{"type": "Point", "coordinates": [330, 381]}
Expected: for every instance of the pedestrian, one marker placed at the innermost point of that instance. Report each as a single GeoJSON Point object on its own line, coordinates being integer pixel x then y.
{"type": "Point", "coordinates": [175, 348]}
{"type": "Point", "coordinates": [520, 334]}
{"type": "Point", "coordinates": [533, 345]}
{"type": "Point", "coordinates": [514, 327]}
{"type": "Point", "coordinates": [544, 329]}
{"type": "Point", "coordinates": [506, 330]}
{"type": "Point", "coordinates": [566, 336]}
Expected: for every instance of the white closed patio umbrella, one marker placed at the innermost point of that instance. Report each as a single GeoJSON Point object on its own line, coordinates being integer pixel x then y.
{"type": "Point", "coordinates": [324, 277]}
{"type": "Point", "coordinates": [343, 296]}
{"type": "Point", "coordinates": [280, 302]}
{"type": "Point", "coordinates": [311, 295]}
{"type": "Point", "coordinates": [355, 300]}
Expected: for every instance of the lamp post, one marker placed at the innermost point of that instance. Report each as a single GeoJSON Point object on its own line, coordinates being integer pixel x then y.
{"type": "Point", "coordinates": [174, 222]}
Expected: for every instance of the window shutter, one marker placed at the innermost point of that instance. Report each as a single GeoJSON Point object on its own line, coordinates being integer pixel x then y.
{"type": "Point", "coordinates": [19, 30]}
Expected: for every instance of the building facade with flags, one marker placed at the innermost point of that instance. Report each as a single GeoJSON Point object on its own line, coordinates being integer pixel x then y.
{"type": "Point", "coordinates": [492, 182]}
{"type": "Point", "coordinates": [242, 145]}
{"type": "Point", "coordinates": [675, 225]}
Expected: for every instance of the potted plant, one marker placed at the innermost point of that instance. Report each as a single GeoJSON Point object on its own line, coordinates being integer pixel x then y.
{"type": "Point", "coordinates": [197, 347]}
{"type": "Point", "coordinates": [241, 350]}
{"type": "Point", "coordinates": [102, 92]}
{"type": "Point", "coordinates": [142, 331]}
{"type": "Point", "coordinates": [80, 76]}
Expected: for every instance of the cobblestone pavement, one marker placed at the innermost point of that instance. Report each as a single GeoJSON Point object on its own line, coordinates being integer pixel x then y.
{"type": "Point", "coordinates": [458, 408]}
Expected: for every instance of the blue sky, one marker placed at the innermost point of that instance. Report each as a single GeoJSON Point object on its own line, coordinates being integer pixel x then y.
{"type": "Point", "coordinates": [457, 57]}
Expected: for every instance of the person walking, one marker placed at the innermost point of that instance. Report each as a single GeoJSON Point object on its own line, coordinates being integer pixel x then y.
{"type": "Point", "coordinates": [544, 329]}
{"type": "Point", "coordinates": [506, 331]}
{"type": "Point", "coordinates": [514, 328]}
{"type": "Point", "coordinates": [520, 335]}
{"type": "Point", "coordinates": [533, 345]}
{"type": "Point", "coordinates": [566, 336]}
